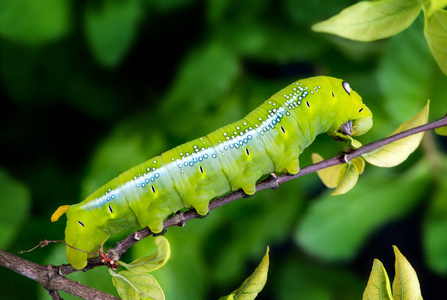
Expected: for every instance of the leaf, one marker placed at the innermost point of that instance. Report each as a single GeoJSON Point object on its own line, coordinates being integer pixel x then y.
{"type": "Point", "coordinates": [16, 202]}
{"type": "Point", "coordinates": [378, 286]}
{"type": "Point", "coordinates": [406, 283]}
{"type": "Point", "coordinates": [34, 22]}
{"type": "Point", "coordinates": [433, 6]}
{"type": "Point", "coordinates": [353, 142]}
{"type": "Point", "coordinates": [348, 178]}
{"type": "Point", "coordinates": [328, 176]}
{"type": "Point", "coordinates": [395, 153]}
{"type": "Point", "coordinates": [254, 284]}
{"type": "Point", "coordinates": [441, 131]}
{"type": "Point", "coordinates": [372, 20]}
{"type": "Point", "coordinates": [152, 262]}
{"type": "Point", "coordinates": [342, 177]}
{"type": "Point", "coordinates": [435, 31]}
{"type": "Point", "coordinates": [132, 286]}
{"type": "Point", "coordinates": [111, 29]}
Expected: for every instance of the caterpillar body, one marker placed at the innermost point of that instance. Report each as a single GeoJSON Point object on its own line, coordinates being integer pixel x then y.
{"type": "Point", "coordinates": [269, 139]}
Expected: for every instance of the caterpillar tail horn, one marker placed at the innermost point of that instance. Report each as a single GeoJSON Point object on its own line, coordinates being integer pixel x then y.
{"type": "Point", "coordinates": [59, 212]}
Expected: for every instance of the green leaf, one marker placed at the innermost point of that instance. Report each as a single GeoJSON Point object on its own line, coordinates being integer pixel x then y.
{"type": "Point", "coordinates": [372, 20]}
{"type": "Point", "coordinates": [406, 283]}
{"type": "Point", "coordinates": [435, 32]}
{"type": "Point", "coordinates": [378, 286]}
{"type": "Point", "coordinates": [395, 153]}
{"type": "Point", "coordinates": [441, 131]}
{"type": "Point", "coordinates": [15, 199]}
{"type": "Point", "coordinates": [34, 22]}
{"type": "Point", "coordinates": [111, 29]}
{"type": "Point", "coordinates": [254, 284]}
{"type": "Point", "coordinates": [432, 6]}
{"type": "Point", "coordinates": [131, 286]}
{"type": "Point", "coordinates": [361, 211]}
{"type": "Point", "coordinates": [152, 262]}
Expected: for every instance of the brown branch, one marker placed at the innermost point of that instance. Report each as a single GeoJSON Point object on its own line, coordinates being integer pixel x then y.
{"type": "Point", "coordinates": [49, 278]}
{"type": "Point", "coordinates": [52, 277]}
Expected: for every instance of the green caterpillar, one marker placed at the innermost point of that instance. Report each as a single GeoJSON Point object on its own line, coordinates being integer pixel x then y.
{"type": "Point", "coordinates": [269, 139]}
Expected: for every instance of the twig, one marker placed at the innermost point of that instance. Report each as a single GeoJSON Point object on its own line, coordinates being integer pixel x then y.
{"type": "Point", "coordinates": [48, 277]}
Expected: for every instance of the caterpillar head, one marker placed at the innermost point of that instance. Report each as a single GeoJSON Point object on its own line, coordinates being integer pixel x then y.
{"type": "Point", "coordinates": [82, 232]}
{"type": "Point", "coordinates": [355, 118]}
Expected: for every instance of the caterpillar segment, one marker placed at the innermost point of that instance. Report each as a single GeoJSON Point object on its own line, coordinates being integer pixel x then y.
{"type": "Point", "coordinates": [269, 139]}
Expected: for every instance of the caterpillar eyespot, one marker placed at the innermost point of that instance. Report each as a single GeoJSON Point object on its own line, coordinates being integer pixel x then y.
{"type": "Point", "coordinates": [347, 87]}
{"type": "Point", "coordinates": [173, 174]}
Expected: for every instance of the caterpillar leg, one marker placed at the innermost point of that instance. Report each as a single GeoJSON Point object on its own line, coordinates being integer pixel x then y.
{"type": "Point", "coordinates": [250, 189]}
{"type": "Point", "coordinates": [203, 216]}
{"type": "Point", "coordinates": [156, 227]}
{"type": "Point", "coordinates": [294, 167]}
{"type": "Point", "coordinates": [163, 231]}
{"type": "Point", "coordinates": [202, 209]}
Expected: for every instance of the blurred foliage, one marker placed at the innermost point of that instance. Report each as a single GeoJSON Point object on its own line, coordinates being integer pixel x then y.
{"type": "Point", "coordinates": [91, 88]}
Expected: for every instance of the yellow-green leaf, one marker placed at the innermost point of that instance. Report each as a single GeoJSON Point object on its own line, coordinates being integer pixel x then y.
{"type": "Point", "coordinates": [435, 31]}
{"type": "Point", "coordinates": [254, 284]}
{"type": "Point", "coordinates": [393, 154]}
{"type": "Point", "coordinates": [359, 163]}
{"type": "Point", "coordinates": [433, 6]}
{"type": "Point", "coordinates": [378, 286]}
{"type": "Point", "coordinates": [131, 286]}
{"type": "Point", "coordinates": [342, 177]}
{"type": "Point", "coordinates": [372, 20]}
{"type": "Point", "coordinates": [328, 176]}
{"type": "Point", "coordinates": [348, 178]}
{"type": "Point", "coordinates": [151, 262]}
{"type": "Point", "coordinates": [354, 143]}
{"type": "Point", "coordinates": [406, 283]}
{"type": "Point", "coordinates": [441, 130]}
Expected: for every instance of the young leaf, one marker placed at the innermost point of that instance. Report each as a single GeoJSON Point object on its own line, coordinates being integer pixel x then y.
{"type": "Point", "coordinates": [378, 286]}
{"type": "Point", "coordinates": [435, 32]}
{"type": "Point", "coordinates": [406, 283]}
{"type": "Point", "coordinates": [393, 154]}
{"type": "Point", "coordinates": [372, 20]}
{"type": "Point", "coordinates": [151, 262]}
{"type": "Point", "coordinates": [342, 177]}
{"type": "Point", "coordinates": [441, 130]}
{"type": "Point", "coordinates": [254, 284]}
{"type": "Point", "coordinates": [354, 143]}
{"type": "Point", "coordinates": [131, 286]}
{"type": "Point", "coordinates": [328, 176]}
{"type": "Point", "coordinates": [433, 6]}
{"type": "Point", "coordinates": [348, 178]}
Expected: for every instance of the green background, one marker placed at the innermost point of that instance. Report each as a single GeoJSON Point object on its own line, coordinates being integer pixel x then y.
{"type": "Point", "coordinates": [89, 89]}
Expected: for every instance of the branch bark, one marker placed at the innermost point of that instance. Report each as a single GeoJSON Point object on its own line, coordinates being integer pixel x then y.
{"type": "Point", "coordinates": [50, 279]}
{"type": "Point", "coordinates": [53, 278]}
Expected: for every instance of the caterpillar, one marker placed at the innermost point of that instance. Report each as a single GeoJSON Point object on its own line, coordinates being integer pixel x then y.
{"type": "Point", "coordinates": [269, 139]}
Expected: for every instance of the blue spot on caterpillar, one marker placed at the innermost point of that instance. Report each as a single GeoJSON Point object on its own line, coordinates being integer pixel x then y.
{"type": "Point", "coordinates": [269, 139]}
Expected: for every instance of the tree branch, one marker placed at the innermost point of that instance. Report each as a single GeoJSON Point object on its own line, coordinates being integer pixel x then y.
{"type": "Point", "coordinates": [53, 278]}
{"type": "Point", "coordinates": [50, 279]}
